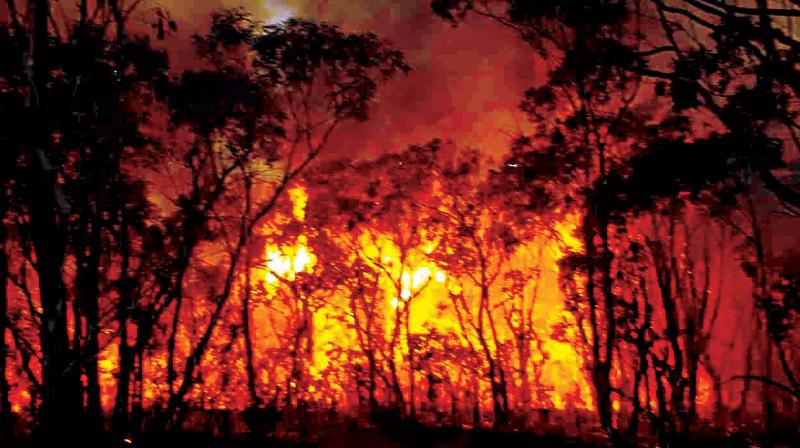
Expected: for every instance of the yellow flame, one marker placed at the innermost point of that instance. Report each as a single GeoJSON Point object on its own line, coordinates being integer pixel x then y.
{"type": "Point", "coordinates": [287, 262]}
{"type": "Point", "coordinates": [299, 199]}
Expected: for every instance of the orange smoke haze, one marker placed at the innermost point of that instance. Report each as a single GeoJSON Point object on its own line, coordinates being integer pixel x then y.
{"type": "Point", "coordinates": [465, 83]}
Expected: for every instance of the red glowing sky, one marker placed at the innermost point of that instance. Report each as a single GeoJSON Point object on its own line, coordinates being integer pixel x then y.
{"type": "Point", "coordinates": [465, 84]}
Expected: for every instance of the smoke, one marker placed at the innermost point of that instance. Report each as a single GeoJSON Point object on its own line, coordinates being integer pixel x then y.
{"type": "Point", "coordinates": [465, 84]}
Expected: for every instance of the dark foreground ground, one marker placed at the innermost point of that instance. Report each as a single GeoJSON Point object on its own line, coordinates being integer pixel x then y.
{"type": "Point", "coordinates": [441, 438]}
{"type": "Point", "coordinates": [404, 435]}
{"type": "Point", "coordinates": [413, 434]}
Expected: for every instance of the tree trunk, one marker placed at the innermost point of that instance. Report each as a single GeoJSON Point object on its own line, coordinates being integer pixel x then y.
{"type": "Point", "coordinates": [663, 421]}
{"type": "Point", "coordinates": [87, 295]}
{"type": "Point", "coordinates": [692, 368]}
{"type": "Point", "coordinates": [523, 349]}
{"type": "Point", "coordinates": [120, 421]}
{"type": "Point", "coordinates": [137, 409]}
{"type": "Point", "coordinates": [411, 382]}
{"type": "Point", "coordinates": [6, 417]}
{"type": "Point", "coordinates": [609, 304]}
{"type": "Point", "coordinates": [61, 397]}
{"type": "Point", "coordinates": [496, 374]}
{"type": "Point", "coordinates": [248, 341]}
{"type": "Point", "coordinates": [365, 342]}
{"type": "Point", "coordinates": [399, 401]}
{"type": "Point", "coordinates": [643, 346]}
{"type": "Point", "coordinates": [176, 318]}
{"type": "Point", "coordinates": [601, 368]}
{"type": "Point", "coordinates": [61, 387]}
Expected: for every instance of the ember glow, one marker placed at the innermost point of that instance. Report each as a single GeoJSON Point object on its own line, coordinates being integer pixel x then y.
{"type": "Point", "coordinates": [460, 221]}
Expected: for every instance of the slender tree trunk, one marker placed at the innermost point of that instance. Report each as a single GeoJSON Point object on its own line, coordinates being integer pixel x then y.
{"type": "Point", "coordinates": [496, 377]}
{"type": "Point", "coordinates": [6, 416]}
{"type": "Point", "coordinates": [92, 348]}
{"type": "Point", "coordinates": [523, 349]}
{"type": "Point", "coordinates": [373, 384]}
{"type": "Point", "coordinates": [176, 318]}
{"type": "Point", "coordinates": [643, 346]}
{"type": "Point", "coordinates": [601, 368]}
{"type": "Point", "coordinates": [77, 340]}
{"type": "Point", "coordinates": [641, 371]}
{"type": "Point", "coordinates": [695, 317]}
{"type": "Point", "coordinates": [411, 382]}
{"type": "Point", "coordinates": [373, 368]}
{"type": "Point", "coordinates": [366, 345]}
{"type": "Point", "coordinates": [501, 419]}
{"type": "Point", "coordinates": [87, 297]}
{"type": "Point", "coordinates": [496, 373]}
{"type": "Point", "coordinates": [692, 368]}
{"type": "Point", "coordinates": [248, 341]}
{"type": "Point", "coordinates": [292, 381]}
{"type": "Point", "coordinates": [664, 434]}
{"type": "Point", "coordinates": [120, 421]}
{"type": "Point", "coordinates": [137, 405]}
{"type": "Point", "coordinates": [672, 289]}
{"type": "Point", "coordinates": [603, 377]}
{"type": "Point", "coordinates": [399, 401]}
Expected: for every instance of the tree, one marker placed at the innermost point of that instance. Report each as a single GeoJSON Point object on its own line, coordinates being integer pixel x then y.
{"type": "Point", "coordinates": [479, 234]}
{"type": "Point", "coordinates": [695, 65]}
{"type": "Point", "coordinates": [333, 79]}
{"type": "Point", "coordinates": [90, 215]}
{"type": "Point", "coordinates": [386, 229]}
{"type": "Point", "coordinates": [75, 90]}
{"type": "Point", "coordinates": [334, 218]}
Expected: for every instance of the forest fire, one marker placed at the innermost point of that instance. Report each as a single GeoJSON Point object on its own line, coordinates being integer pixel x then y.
{"type": "Point", "coordinates": [406, 276]}
{"type": "Point", "coordinates": [324, 231]}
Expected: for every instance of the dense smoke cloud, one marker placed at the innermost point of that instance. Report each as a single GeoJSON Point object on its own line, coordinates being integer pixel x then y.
{"type": "Point", "coordinates": [465, 84]}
